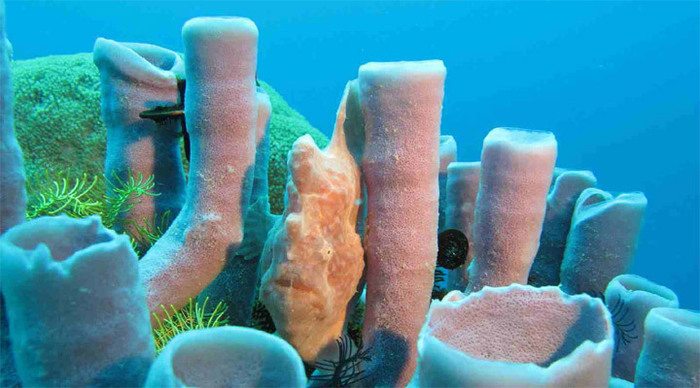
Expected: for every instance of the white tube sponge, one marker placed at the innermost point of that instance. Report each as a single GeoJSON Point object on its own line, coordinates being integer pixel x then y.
{"type": "Point", "coordinates": [401, 104]}
{"type": "Point", "coordinates": [13, 198]}
{"type": "Point", "coordinates": [670, 356]}
{"type": "Point", "coordinates": [561, 200]}
{"type": "Point", "coordinates": [516, 171]}
{"type": "Point", "coordinates": [75, 305]}
{"type": "Point", "coordinates": [136, 77]}
{"type": "Point", "coordinates": [221, 113]}
{"type": "Point", "coordinates": [602, 239]}
{"type": "Point", "coordinates": [462, 189]}
{"type": "Point", "coordinates": [313, 258]}
{"type": "Point", "coordinates": [629, 299]}
{"type": "Point", "coordinates": [227, 356]}
{"type": "Point", "coordinates": [516, 336]}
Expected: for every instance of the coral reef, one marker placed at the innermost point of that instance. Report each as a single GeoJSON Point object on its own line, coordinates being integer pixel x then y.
{"type": "Point", "coordinates": [78, 308]}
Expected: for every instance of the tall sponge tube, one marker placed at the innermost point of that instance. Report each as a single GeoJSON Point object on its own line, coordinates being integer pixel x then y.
{"type": "Point", "coordinates": [221, 115]}
{"type": "Point", "coordinates": [401, 104]}
{"type": "Point", "coordinates": [516, 171]}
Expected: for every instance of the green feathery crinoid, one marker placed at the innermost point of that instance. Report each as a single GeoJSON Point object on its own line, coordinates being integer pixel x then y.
{"type": "Point", "coordinates": [191, 317]}
{"type": "Point", "coordinates": [81, 199]}
{"type": "Point", "coordinates": [125, 194]}
{"type": "Point", "coordinates": [75, 200]}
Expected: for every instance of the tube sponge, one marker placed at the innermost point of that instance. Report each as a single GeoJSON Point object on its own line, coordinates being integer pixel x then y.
{"type": "Point", "coordinates": [13, 198]}
{"type": "Point", "coordinates": [629, 299]}
{"type": "Point", "coordinates": [227, 357]}
{"type": "Point", "coordinates": [75, 305]}
{"type": "Point", "coordinates": [236, 284]}
{"type": "Point", "coordinates": [516, 171]}
{"type": "Point", "coordinates": [671, 352]}
{"type": "Point", "coordinates": [561, 200]}
{"type": "Point", "coordinates": [401, 104]}
{"type": "Point", "coordinates": [516, 336]}
{"type": "Point", "coordinates": [313, 258]}
{"type": "Point", "coordinates": [602, 239]}
{"type": "Point", "coordinates": [136, 77]}
{"type": "Point", "coordinates": [221, 114]}
{"type": "Point", "coordinates": [462, 188]}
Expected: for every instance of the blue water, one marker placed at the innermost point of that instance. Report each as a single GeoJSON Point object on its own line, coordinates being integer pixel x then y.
{"type": "Point", "coordinates": [617, 82]}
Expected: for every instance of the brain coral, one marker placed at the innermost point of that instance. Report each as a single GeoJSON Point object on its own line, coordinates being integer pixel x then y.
{"type": "Point", "coordinates": [58, 124]}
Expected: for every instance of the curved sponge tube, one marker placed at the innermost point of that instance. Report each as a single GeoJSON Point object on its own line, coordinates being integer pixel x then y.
{"type": "Point", "coordinates": [76, 307]}
{"type": "Point", "coordinates": [516, 336]}
{"type": "Point", "coordinates": [135, 77]}
{"type": "Point", "coordinates": [227, 357]}
{"type": "Point", "coordinates": [602, 239]}
{"type": "Point", "coordinates": [561, 200]}
{"type": "Point", "coordinates": [221, 114]}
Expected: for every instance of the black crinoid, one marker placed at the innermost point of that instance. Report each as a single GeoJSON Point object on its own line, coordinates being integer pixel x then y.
{"type": "Point", "coordinates": [453, 247]}
{"type": "Point", "coordinates": [347, 370]}
{"type": "Point", "coordinates": [623, 321]}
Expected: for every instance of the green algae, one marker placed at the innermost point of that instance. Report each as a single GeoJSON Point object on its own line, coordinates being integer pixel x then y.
{"type": "Point", "coordinates": [58, 124]}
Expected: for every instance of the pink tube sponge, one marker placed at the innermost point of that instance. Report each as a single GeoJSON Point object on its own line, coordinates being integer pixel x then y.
{"type": "Point", "coordinates": [516, 171]}
{"type": "Point", "coordinates": [401, 105]}
{"type": "Point", "coordinates": [221, 113]}
{"type": "Point", "coordinates": [76, 308]}
{"type": "Point", "coordinates": [516, 336]}
{"type": "Point", "coordinates": [602, 240]}
{"type": "Point", "coordinates": [629, 299]}
{"type": "Point", "coordinates": [670, 355]}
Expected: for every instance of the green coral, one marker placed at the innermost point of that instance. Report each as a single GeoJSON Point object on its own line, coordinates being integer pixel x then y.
{"type": "Point", "coordinates": [58, 124]}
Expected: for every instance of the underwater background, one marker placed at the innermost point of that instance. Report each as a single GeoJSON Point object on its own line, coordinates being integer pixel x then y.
{"type": "Point", "coordinates": [617, 82]}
